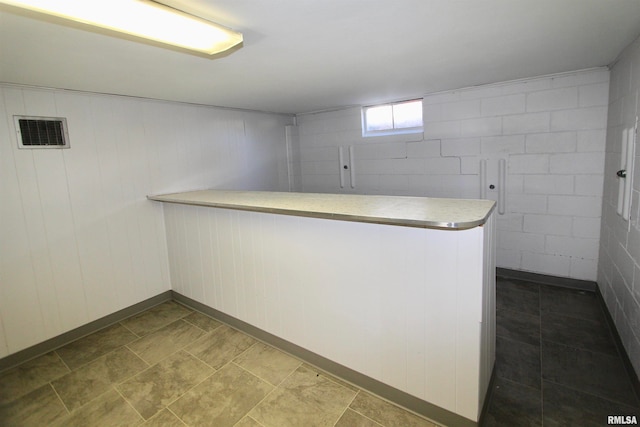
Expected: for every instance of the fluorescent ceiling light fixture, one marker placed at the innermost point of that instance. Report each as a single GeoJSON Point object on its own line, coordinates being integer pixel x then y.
{"type": "Point", "coordinates": [141, 18]}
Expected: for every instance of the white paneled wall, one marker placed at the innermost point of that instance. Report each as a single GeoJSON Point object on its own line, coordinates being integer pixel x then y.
{"type": "Point", "coordinates": [550, 130]}
{"type": "Point", "coordinates": [619, 266]}
{"type": "Point", "coordinates": [78, 239]}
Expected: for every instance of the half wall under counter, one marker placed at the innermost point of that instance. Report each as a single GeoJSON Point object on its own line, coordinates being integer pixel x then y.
{"type": "Point", "coordinates": [397, 292]}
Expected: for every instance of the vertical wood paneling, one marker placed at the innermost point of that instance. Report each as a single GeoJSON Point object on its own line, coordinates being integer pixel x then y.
{"type": "Point", "coordinates": [21, 312]}
{"type": "Point", "coordinates": [90, 201]}
{"type": "Point", "coordinates": [51, 176]}
{"type": "Point", "coordinates": [270, 272]}
{"type": "Point", "coordinates": [441, 318]}
{"type": "Point", "coordinates": [123, 230]}
{"type": "Point", "coordinates": [487, 356]}
{"type": "Point", "coordinates": [206, 264]}
{"type": "Point", "coordinates": [79, 240]}
{"type": "Point", "coordinates": [402, 305]}
{"type": "Point", "coordinates": [469, 318]}
{"type": "Point", "coordinates": [395, 277]}
{"type": "Point", "coordinates": [171, 217]}
{"type": "Point", "coordinates": [62, 239]}
{"type": "Point", "coordinates": [417, 295]}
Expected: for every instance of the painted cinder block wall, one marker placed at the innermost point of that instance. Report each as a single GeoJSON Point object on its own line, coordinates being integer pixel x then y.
{"type": "Point", "coordinates": [78, 238]}
{"type": "Point", "coordinates": [551, 132]}
{"type": "Point", "coordinates": [619, 266]}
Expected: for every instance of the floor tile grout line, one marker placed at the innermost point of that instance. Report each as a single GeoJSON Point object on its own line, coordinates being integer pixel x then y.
{"type": "Point", "coordinates": [159, 360]}
{"type": "Point", "coordinates": [200, 360]}
{"type": "Point", "coordinates": [253, 419]}
{"type": "Point", "coordinates": [166, 406]}
{"type": "Point", "coordinates": [502, 337]}
{"type": "Point", "coordinates": [150, 366]}
{"type": "Point", "coordinates": [246, 350]}
{"type": "Point", "coordinates": [125, 326]}
{"type": "Point", "coordinates": [62, 360]}
{"type": "Point", "coordinates": [616, 356]}
{"type": "Point", "coordinates": [302, 362]}
{"type": "Point", "coordinates": [609, 356]}
{"type": "Point", "coordinates": [364, 416]}
{"type": "Point", "coordinates": [584, 319]}
{"type": "Point", "coordinates": [609, 399]}
{"type": "Point", "coordinates": [111, 385]}
{"type": "Point", "coordinates": [499, 310]}
{"type": "Point", "coordinates": [232, 362]}
{"type": "Point", "coordinates": [130, 404]}
{"type": "Point", "coordinates": [258, 376]}
{"type": "Point", "coordinates": [345, 410]}
{"type": "Point", "coordinates": [64, 405]}
{"type": "Point", "coordinates": [203, 330]}
{"type": "Point", "coordinates": [266, 396]}
{"type": "Point", "coordinates": [174, 414]}
{"type": "Point", "coordinates": [167, 323]}
{"type": "Point", "coordinates": [96, 358]}
{"type": "Point", "coordinates": [177, 350]}
{"type": "Point", "coordinates": [402, 408]}
{"type": "Point", "coordinates": [516, 383]}
{"type": "Point", "coordinates": [138, 356]}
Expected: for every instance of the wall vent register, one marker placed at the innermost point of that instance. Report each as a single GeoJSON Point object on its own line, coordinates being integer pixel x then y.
{"type": "Point", "coordinates": [41, 132]}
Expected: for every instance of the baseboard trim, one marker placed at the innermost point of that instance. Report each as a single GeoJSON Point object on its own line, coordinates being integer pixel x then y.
{"type": "Point", "coordinates": [419, 406]}
{"type": "Point", "coordinates": [635, 380]}
{"type": "Point", "coordinates": [51, 344]}
{"type": "Point", "coordinates": [563, 282]}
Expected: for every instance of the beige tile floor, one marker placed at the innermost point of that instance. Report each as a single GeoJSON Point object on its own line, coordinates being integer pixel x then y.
{"type": "Point", "coordinates": [172, 366]}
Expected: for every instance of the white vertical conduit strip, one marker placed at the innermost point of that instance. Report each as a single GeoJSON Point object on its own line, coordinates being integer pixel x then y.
{"type": "Point", "coordinates": [502, 171]}
{"type": "Point", "coordinates": [288, 136]}
{"type": "Point", "coordinates": [623, 164]}
{"type": "Point", "coordinates": [351, 167]}
{"type": "Point", "coordinates": [628, 181]}
{"type": "Point", "coordinates": [340, 165]}
{"type": "Point", "coordinates": [483, 179]}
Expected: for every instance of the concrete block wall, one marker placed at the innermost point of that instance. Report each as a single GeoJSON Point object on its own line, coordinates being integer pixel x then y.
{"type": "Point", "coordinates": [619, 265]}
{"type": "Point", "coordinates": [551, 132]}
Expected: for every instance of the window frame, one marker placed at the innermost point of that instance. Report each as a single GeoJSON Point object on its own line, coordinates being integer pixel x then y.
{"type": "Point", "coordinates": [394, 130]}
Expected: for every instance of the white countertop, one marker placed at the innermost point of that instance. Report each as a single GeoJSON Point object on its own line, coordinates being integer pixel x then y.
{"type": "Point", "coordinates": [420, 212]}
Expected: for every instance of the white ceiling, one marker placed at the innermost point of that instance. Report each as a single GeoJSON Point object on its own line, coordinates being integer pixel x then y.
{"type": "Point", "coordinates": [308, 55]}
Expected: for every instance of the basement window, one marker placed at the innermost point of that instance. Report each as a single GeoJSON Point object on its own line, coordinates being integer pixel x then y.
{"type": "Point", "coordinates": [41, 132]}
{"type": "Point", "coordinates": [392, 119]}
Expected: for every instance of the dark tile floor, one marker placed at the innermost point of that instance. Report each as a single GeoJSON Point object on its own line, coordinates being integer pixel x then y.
{"type": "Point", "coordinates": [556, 360]}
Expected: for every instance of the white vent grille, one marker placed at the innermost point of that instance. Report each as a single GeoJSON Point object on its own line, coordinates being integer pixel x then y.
{"type": "Point", "coordinates": [41, 132]}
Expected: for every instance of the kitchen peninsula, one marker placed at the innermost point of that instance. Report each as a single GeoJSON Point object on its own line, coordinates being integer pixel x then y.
{"type": "Point", "coordinates": [395, 294]}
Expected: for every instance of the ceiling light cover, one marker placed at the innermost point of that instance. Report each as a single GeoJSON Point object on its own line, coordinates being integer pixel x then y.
{"type": "Point", "coordinates": [141, 18]}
